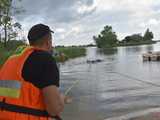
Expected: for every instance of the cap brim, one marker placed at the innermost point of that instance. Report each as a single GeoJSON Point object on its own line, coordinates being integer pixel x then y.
{"type": "Point", "coordinates": [51, 31]}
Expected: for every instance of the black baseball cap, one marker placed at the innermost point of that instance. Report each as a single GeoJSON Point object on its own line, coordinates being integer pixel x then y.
{"type": "Point", "coordinates": [38, 31]}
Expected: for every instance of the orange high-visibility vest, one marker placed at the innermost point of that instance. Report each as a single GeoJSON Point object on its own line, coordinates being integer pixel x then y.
{"type": "Point", "coordinates": [19, 99]}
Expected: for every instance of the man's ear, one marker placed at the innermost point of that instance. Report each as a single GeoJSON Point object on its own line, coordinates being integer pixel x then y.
{"type": "Point", "coordinates": [47, 42]}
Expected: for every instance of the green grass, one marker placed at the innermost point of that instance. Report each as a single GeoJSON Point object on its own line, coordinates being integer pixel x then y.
{"type": "Point", "coordinates": [71, 52]}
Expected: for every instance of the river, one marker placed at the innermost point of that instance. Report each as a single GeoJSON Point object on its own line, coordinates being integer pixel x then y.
{"type": "Point", "coordinates": [116, 87]}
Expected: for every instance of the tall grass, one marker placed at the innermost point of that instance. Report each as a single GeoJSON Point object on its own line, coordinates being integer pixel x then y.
{"type": "Point", "coordinates": [70, 52]}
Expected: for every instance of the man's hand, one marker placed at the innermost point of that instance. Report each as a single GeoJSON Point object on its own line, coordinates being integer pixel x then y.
{"type": "Point", "coordinates": [66, 99]}
{"type": "Point", "coordinates": [53, 100]}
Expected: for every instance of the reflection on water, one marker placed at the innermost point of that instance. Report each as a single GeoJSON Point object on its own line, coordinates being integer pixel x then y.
{"type": "Point", "coordinates": [101, 93]}
{"type": "Point", "coordinates": [109, 51]}
{"type": "Point", "coordinates": [149, 48]}
{"type": "Point", "coordinates": [133, 49]}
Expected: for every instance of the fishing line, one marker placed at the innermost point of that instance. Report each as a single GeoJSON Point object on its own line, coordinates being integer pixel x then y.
{"type": "Point", "coordinates": [136, 79]}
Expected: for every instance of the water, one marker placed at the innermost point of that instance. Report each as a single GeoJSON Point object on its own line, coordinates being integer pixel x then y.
{"type": "Point", "coordinates": [101, 93]}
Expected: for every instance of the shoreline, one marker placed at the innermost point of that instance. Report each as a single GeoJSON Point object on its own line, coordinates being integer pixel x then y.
{"type": "Point", "coordinates": [136, 44]}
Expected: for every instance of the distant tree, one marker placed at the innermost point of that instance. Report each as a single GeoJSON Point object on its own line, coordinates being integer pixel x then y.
{"type": "Point", "coordinates": [137, 37]}
{"type": "Point", "coordinates": [13, 30]}
{"type": "Point", "coordinates": [90, 45]}
{"type": "Point", "coordinates": [107, 38]}
{"type": "Point", "coordinates": [133, 38]}
{"type": "Point", "coordinates": [148, 36]}
{"type": "Point", "coordinates": [127, 39]}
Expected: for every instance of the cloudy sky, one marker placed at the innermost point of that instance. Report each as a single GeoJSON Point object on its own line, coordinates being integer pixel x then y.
{"type": "Point", "coordinates": [76, 21]}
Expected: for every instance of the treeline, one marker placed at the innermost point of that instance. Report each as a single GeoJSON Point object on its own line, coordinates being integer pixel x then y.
{"type": "Point", "coordinates": [108, 38]}
{"type": "Point", "coordinates": [88, 45]}
{"type": "Point", "coordinates": [138, 39]}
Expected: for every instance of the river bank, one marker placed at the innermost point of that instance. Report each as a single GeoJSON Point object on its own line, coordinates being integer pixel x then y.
{"type": "Point", "coordinates": [69, 53]}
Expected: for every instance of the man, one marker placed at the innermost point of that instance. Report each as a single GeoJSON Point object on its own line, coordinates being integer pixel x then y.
{"type": "Point", "coordinates": [29, 80]}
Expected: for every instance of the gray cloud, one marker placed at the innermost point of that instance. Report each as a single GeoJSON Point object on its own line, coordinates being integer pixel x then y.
{"type": "Point", "coordinates": [76, 21]}
{"type": "Point", "coordinates": [53, 10]}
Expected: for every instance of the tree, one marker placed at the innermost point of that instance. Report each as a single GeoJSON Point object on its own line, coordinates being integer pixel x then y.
{"type": "Point", "coordinates": [6, 20]}
{"type": "Point", "coordinates": [106, 39]}
{"type": "Point", "coordinates": [3, 4]}
{"type": "Point", "coordinates": [127, 39]}
{"type": "Point", "coordinates": [135, 38]}
{"type": "Point", "coordinates": [148, 36]}
{"type": "Point", "coordinates": [13, 31]}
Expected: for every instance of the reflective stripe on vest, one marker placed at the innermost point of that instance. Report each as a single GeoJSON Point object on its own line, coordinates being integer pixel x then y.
{"type": "Point", "coordinates": [10, 88]}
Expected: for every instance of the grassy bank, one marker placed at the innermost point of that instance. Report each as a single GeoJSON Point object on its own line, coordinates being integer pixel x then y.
{"type": "Point", "coordinates": [70, 52]}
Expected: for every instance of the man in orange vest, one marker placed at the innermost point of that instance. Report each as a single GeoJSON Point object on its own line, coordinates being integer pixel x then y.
{"type": "Point", "coordinates": [29, 80]}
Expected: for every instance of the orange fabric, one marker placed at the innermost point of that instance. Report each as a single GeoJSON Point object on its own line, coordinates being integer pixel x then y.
{"type": "Point", "coordinates": [30, 95]}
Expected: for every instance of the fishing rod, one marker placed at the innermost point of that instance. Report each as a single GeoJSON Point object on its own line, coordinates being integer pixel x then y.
{"type": "Point", "coordinates": [66, 93]}
{"type": "Point", "coordinates": [137, 79]}
{"type": "Point", "coordinates": [70, 88]}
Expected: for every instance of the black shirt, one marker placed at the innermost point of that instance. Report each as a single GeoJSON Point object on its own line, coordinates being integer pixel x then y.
{"type": "Point", "coordinates": [41, 70]}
